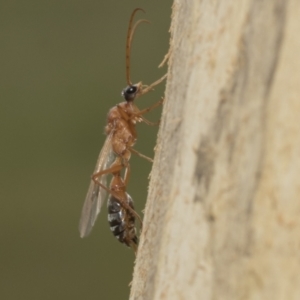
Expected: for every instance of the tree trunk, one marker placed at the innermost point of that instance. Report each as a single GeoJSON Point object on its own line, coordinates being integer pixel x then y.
{"type": "Point", "coordinates": [222, 216]}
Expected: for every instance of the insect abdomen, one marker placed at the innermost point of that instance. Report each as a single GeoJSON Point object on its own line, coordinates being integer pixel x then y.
{"type": "Point", "coordinates": [121, 221]}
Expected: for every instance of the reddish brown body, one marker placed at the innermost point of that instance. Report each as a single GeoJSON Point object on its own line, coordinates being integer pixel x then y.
{"type": "Point", "coordinates": [122, 119]}
{"type": "Point", "coordinates": [114, 158]}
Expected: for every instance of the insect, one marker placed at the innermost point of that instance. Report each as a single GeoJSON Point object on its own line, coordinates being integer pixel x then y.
{"type": "Point", "coordinates": [114, 158]}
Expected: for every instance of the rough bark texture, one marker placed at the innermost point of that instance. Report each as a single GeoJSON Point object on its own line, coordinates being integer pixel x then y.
{"type": "Point", "coordinates": [222, 217]}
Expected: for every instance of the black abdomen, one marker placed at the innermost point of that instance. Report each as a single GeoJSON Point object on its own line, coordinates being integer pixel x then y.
{"type": "Point", "coordinates": [122, 221]}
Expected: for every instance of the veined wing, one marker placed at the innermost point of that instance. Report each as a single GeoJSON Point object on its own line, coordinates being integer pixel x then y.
{"type": "Point", "coordinates": [96, 194]}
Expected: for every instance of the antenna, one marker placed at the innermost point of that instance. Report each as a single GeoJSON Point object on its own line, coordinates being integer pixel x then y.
{"type": "Point", "coordinates": [130, 33]}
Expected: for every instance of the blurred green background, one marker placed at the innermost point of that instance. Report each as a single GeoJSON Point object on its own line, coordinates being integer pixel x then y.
{"type": "Point", "coordinates": [62, 67]}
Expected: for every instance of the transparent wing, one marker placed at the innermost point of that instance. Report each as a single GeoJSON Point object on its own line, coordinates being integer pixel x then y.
{"type": "Point", "coordinates": [96, 195]}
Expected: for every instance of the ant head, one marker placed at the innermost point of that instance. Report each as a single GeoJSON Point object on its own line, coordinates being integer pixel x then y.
{"type": "Point", "coordinates": [131, 91]}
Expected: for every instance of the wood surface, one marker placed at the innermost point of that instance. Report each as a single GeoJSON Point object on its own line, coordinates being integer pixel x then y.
{"type": "Point", "coordinates": [222, 216]}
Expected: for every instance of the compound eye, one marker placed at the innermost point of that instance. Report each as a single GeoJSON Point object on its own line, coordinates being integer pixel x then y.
{"type": "Point", "coordinates": [131, 89]}
{"type": "Point", "coordinates": [129, 92]}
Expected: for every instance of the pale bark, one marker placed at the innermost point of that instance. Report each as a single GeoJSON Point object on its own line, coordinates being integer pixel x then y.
{"type": "Point", "coordinates": [222, 216]}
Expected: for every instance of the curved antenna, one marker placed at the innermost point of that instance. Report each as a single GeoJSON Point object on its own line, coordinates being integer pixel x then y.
{"type": "Point", "coordinates": [130, 34]}
{"type": "Point", "coordinates": [134, 28]}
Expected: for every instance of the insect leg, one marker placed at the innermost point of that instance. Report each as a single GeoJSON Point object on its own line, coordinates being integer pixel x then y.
{"type": "Point", "coordinates": [131, 210]}
{"type": "Point", "coordinates": [149, 122]}
{"type": "Point", "coordinates": [127, 174]}
{"type": "Point", "coordinates": [152, 85]}
{"type": "Point", "coordinates": [113, 169]}
{"type": "Point", "coordinates": [150, 108]}
{"type": "Point", "coordinates": [141, 155]}
{"type": "Point", "coordinates": [139, 113]}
